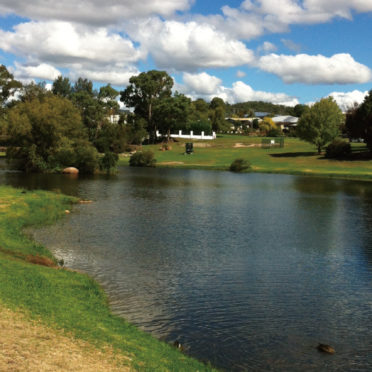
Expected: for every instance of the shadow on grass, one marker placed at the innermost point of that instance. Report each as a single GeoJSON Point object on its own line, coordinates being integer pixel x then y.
{"type": "Point", "coordinates": [354, 156]}
{"type": "Point", "coordinates": [293, 154]}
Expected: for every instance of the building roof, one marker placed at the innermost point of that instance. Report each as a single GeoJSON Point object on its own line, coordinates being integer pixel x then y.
{"type": "Point", "coordinates": [285, 119]}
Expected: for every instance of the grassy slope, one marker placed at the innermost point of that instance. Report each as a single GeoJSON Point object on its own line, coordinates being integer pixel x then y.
{"type": "Point", "coordinates": [63, 298]}
{"type": "Point", "coordinates": [297, 157]}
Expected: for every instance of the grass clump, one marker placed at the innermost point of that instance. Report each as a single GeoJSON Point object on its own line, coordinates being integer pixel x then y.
{"type": "Point", "coordinates": [142, 159]}
{"type": "Point", "coordinates": [239, 165]}
{"type": "Point", "coordinates": [64, 299]}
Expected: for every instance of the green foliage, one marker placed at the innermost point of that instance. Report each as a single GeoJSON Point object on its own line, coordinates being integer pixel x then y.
{"type": "Point", "coordinates": [359, 121]}
{"type": "Point", "coordinates": [239, 165]}
{"type": "Point", "coordinates": [33, 91]}
{"type": "Point", "coordinates": [108, 161]}
{"type": "Point", "coordinates": [199, 110]}
{"type": "Point", "coordinates": [8, 86]}
{"type": "Point", "coordinates": [217, 113]}
{"type": "Point", "coordinates": [142, 159]}
{"type": "Point", "coordinates": [144, 91]}
{"type": "Point", "coordinates": [62, 86]}
{"type": "Point", "coordinates": [258, 106]}
{"type": "Point", "coordinates": [171, 113]}
{"type": "Point", "coordinates": [321, 123]}
{"type": "Point", "coordinates": [47, 133]}
{"type": "Point", "coordinates": [201, 126]}
{"type": "Point", "coordinates": [338, 148]}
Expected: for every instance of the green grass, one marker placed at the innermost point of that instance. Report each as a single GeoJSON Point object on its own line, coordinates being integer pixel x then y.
{"type": "Point", "coordinates": [297, 157]}
{"type": "Point", "coordinates": [65, 299]}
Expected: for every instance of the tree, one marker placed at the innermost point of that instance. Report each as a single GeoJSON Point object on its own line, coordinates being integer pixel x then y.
{"type": "Point", "coordinates": [47, 133]}
{"type": "Point", "coordinates": [144, 91]}
{"type": "Point", "coordinates": [321, 123]}
{"type": "Point", "coordinates": [62, 86]}
{"type": "Point", "coordinates": [172, 113]}
{"type": "Point", "coordinates": [217, 111]}
{"type": "Point", "coordinates": [199, 110]}
{"type": "Point", "coordinates": [8, 85]}
{"type": "Point", "coordinates": [359, 121]}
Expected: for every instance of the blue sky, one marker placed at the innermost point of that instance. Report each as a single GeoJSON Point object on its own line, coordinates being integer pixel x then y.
{"type": "Point", "coordinates": [281, 51]}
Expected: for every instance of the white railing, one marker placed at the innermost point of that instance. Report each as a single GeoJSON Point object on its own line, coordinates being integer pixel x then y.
{"type": "Point", "coordinates": [189, 136]}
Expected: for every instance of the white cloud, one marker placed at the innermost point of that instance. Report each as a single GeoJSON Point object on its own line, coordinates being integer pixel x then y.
{"type": "Point", "coordinates": [347, 99]}
{"type": "Point", "coordinates": [291, 45]}
{"type": "Point", "coordinates": [207, 86]}
{"type": "Point", "coordinates": [116, 76]}
{"type": "Point", "coordinates": [303, 68]}
{"type": "Point", "coordinates": [92, 12]}
{"type": "Point", "coordinates": [29, 72]}
{"type": "Point", "coordinates": [267, 47]}
{"type": "Point", "coordinates": [202, 83]}
{"type": "Point", "coordinates": [240, 74]}
{"type": "Point", "coordinates": [242, 92]}
{"type": "Point", "coordinates": [189, 46]}
{"type": "Point", "coordinates": [64, 43]}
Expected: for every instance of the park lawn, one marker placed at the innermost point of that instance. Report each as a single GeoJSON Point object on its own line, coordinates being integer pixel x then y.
{"type": "Point", "coordinates": [63, 299]}
{"type": "Point", "coordinates": [297, 157]}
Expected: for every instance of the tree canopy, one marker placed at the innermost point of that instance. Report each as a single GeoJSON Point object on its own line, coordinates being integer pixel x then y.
{"type": "Point", "coordinates": [359, 121]}
{"type": "Point", "coordinates": [143, 92]}
{"type": "Point", "coordinates": [321, 123]}
{"type": "Point", "coordinates": [47, 133]}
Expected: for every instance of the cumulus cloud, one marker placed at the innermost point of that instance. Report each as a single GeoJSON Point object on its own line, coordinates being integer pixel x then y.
{"type": "Point", "coordinates": [115, 76]}
{"type": "Point", "coordinates": [207, 86]}
{"type": "Point", "coordinates": [202, 83]}
{"type": "Point", "coordinates": [240, 74]}
{"type": "Point", "coordinates": [92, 12]}
{"type": "Point", "coordinates": [189, 46]}
{"type": "Point", "coordinates": [346, 100]}
{"type": "Point", "coordinates": [267, 47]}
{"type": "Point", "coordinates": [303, 68]}
{"type": "Point", "coordinates": [64, 43]}
{"type": "Point", "coordinates": [42, 71]}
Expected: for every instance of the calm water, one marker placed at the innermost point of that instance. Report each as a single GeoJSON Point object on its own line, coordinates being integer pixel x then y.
{"type": "Point", "coordinates": [249, 272]}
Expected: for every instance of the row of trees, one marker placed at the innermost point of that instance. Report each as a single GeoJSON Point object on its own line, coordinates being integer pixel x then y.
{"type": "Point", "coordinates": [71, 124]}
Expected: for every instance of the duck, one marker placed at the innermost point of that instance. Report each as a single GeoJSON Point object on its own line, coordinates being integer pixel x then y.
{"type": "Point", "coordinates": [326, 348]}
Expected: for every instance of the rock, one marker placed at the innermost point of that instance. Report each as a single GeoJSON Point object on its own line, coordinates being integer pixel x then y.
{"type": "Point", "coordinates": [85, 201]}
{"type": "Point", "coordinates": [67, 211]}
{"type": "Point", "coordinates": [326, 349]}
{"type": "Point", "coordinates": [70, 170]}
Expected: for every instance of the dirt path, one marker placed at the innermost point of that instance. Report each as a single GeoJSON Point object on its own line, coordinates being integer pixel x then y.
{"type": "Point", "coordinates": [33, 347]}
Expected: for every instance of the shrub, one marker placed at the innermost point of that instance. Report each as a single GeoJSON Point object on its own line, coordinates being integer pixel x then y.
{"type": "Point", "coordinates": [201, 126]}
{"type": "Point", "coordinates": [338, 148]}
{"type": "Point", "coordinates": [239, 165]}
{"type": "Point", "coordinates": [108, 161]}
{"type": "Point", "coordinates": [142, 159]}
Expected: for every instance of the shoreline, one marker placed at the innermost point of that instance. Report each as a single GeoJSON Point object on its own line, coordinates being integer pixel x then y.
{"type": "Point", "coordinates": [62, 299]}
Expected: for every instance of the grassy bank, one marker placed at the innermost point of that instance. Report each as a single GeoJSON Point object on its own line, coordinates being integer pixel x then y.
{"type": "Point", "coordinates": [297, 157]}
{"type": "Point", "coordinates": [32, 283]}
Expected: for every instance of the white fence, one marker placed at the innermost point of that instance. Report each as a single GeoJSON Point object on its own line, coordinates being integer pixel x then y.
{"type": "Point", "coordinates": [189, 136]}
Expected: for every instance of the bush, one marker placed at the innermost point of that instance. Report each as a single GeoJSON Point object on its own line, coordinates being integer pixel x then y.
{"type": "Point", "coordinates": [338, 149]}
{"type": "Point", "coordinates": [142, 159]}
{"type": "Point", "coordinates": [108, 161]}
{"type": "Point", "coordinates": [239, 165]}
{"type": "Point", "coordinates": [201, 126]}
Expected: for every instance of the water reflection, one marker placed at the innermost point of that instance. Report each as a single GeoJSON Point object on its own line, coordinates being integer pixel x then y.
{"type": "Point", "coordinates": [249, 271]}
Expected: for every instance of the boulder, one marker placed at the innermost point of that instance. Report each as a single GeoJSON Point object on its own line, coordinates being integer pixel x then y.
{"type": "Point", "coordinates": [70, 170]}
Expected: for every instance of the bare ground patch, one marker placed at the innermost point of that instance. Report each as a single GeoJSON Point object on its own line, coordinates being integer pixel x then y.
{"type": "Point", "coordinates": [33, 347]}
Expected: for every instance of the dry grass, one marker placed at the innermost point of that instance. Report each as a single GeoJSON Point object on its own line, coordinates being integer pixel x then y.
{"type": "Point", "coordinates": [33, 347]}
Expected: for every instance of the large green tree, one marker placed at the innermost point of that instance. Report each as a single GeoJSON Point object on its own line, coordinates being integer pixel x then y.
{"type": "Point", "coordinates": [62, 86]}
{"type": "Point", "coordinates": [320, 125]}
{"type": "Point", "coordinates": [359, 121]}
{"type": "Point", "coordinates": [217, 112]}
{"type": "Point", "coordinates": [47, 133]}
{"type": "Point", "coordinates": [143, 93]}
{"type": "Point", "coordinates": [8, 85]}
{"type": "Point", "coordinates": [172, 113]}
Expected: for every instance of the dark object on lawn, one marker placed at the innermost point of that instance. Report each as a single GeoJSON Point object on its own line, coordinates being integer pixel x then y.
{"type": "Point", "coordinates": [326, 349]}
{"type": "Point", "coordinates": [189, 148]}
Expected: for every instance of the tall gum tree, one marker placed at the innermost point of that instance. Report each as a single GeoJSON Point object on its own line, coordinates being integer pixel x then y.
{"type": "Point", "coordinates": [144, 91]}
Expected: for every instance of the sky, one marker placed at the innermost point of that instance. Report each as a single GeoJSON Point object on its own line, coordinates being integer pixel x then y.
{"type": "Point", "coordinates": [279, 51]}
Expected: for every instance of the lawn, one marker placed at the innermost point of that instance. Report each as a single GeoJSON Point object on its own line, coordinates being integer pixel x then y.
{"type": "Point", "coordinates": [297, 157]}
{"type": "Point", "coordinates": [64, 299]}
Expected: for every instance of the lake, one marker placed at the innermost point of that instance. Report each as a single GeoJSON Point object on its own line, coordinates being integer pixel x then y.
{"type": "Point", "coordinates": [247, 271]}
